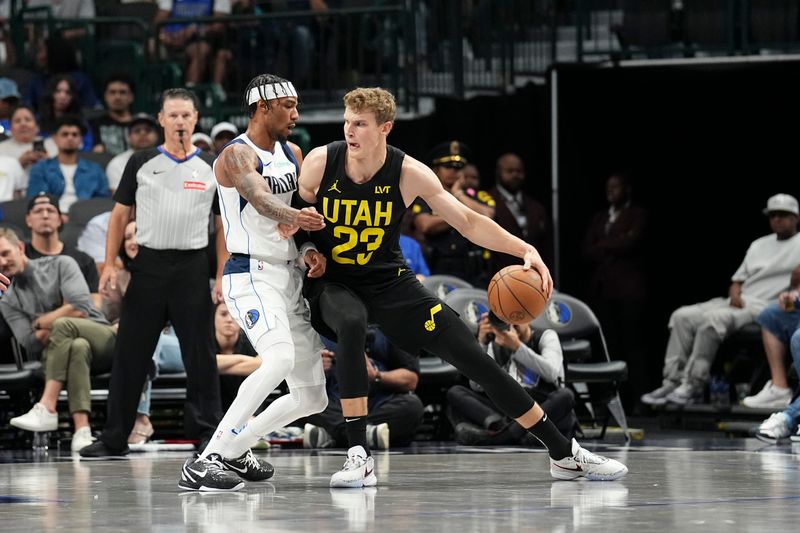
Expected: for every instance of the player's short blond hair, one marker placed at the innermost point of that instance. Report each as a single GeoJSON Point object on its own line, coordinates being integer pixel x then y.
{"type": "Point", "coordinates": [379, 101]}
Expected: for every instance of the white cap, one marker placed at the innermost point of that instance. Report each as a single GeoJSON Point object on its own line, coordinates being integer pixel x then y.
{"type": "Point", "coordinates": [202, 137]}
{"type": "Point", "coordinates": [223, 126]}
{"type": "Point", "coordinates": [782, 202]}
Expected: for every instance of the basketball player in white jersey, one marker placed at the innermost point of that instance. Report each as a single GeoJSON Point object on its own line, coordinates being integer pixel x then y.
{"type": "Point", "coordinates": [256, 175]}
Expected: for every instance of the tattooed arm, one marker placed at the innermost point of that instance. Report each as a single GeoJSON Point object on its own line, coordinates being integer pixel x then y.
{"type": "Point", "coordinates": [236, 167]}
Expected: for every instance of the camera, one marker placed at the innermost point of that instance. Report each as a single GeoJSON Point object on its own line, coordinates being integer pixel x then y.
{"type": "Point", "coordinates": [497, 324]}
{"type": "Point", "coordinates": [38, 145]}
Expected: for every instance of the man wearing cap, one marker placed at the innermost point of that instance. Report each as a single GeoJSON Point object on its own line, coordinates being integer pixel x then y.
{"type": "Point", "coordinates": [66, 176]}
{"type": "Point", "coordinates": [142, 134]}
{"type": "Point", "coordinates": [44, 220]}
{"type": "Point", "coordinates": [449, 252]}
{"type": "Point", "coordinates": [110, 130]}
{"type": "Point", "coordinates": [222, 134]}
{"type": "Point", "coordinates": [204, 142]}
{"type": "Point", "coordinates": [172, 190]}
{"type": "Point", "coordinates": [9, 97]}
{"type": "Point", "coordinates": [696, 331]}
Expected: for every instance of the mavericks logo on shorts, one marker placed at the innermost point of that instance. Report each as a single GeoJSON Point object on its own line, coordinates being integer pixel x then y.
{"type": "Point", "coordinates": [251, 318]}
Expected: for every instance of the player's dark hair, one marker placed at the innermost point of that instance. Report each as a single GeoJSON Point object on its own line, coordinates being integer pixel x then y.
{"type": "Point", "coordinates": [259, 81]}
{"type": "Point", "coordinates": [180, 94]}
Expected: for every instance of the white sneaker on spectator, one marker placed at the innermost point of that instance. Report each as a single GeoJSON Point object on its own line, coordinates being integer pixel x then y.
{"type": "Point", "coordinates": [358, 470]}
{"type": "Point", "coordinates": [37, 419]}
{"type": "Point", "coordinates": [81, 439]}
{"type": "Point", "coordinates": [378, 436]}
{"type": "Point", "coordinates": [316, 437]}
{"type": "Point", "coordinates": [685, 394]}
{"type": "Point", "coordinates": [774, 428]}
{"type": "Point", "coordinates": [584, 463]}
{"type": "Point", "coordinates": [770, 397]}
{"type": "Point", "coordinates": [659, 396]}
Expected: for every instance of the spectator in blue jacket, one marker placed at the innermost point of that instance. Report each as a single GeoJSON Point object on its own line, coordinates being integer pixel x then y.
{"type": "Point", "coordinates": [66, 176]}
{"type": "Point", "coordinates": [412, 253]}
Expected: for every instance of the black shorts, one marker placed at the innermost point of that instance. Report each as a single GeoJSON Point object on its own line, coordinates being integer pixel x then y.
{"type": "Point", "coordinates": [407, 313]}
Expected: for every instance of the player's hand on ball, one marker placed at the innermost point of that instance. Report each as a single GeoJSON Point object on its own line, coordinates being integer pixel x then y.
{"type": "Point", "coordinates": [309, 219]}
{"type": "Point", "coordinates": [534, 260]}
{"type": "Point", "coordinates": [316, 263]}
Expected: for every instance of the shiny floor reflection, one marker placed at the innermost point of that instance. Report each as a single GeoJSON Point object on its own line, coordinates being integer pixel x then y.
{"type": "Point", "coordinates": [675, 484]}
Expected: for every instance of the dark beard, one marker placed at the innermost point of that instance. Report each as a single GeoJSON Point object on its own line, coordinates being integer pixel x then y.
{"type": "Point", "coordinates": [281, 138]}
{"type": "Point", "coordinates": [69, 151]}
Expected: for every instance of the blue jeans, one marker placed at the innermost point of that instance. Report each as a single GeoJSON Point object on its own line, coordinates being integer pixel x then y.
{"type": "Point", "coordinates": [167, 357]}
{"type": "Point", "coordinates": [793, 411]}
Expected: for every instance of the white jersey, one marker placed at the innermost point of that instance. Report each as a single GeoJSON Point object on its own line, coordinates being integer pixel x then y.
{"type": "Point", "coordinates": [246, 231]}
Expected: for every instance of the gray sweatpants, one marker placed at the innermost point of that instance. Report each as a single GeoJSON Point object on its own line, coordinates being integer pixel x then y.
{"type": "Point", "coordinates": [696, 331]}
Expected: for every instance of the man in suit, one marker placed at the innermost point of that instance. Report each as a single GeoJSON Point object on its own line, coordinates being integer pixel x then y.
{"type": "Point", "coordinates": [518, 212]}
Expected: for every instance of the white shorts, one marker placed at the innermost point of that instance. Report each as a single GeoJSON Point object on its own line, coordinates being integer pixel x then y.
{"type": "Point", "coordinates": [268, 303]}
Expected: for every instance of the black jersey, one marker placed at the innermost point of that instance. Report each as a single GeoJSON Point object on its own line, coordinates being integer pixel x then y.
{"type": "Point", "coordinates": [362, 221]}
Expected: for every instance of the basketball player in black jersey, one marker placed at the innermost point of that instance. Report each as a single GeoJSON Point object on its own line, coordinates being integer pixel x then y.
{"type": "Point", "coordinates": [362, 186]}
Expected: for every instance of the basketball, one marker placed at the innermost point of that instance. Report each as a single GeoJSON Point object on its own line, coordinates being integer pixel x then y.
{"type": "Point", "coordinates": [515, 295]}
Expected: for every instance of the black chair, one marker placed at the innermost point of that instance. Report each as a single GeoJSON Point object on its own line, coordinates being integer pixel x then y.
{"type": "Point", "coordinates": [21, 380]}
{"type": "Point", "coordinates": [100, 158]}
{"type": "Point", "coordinates": [82, 211]}
{"type": "Point", "coordinates": [597, 380]}
{"type": "Point", "coordinates": [13, 213]}
{"type": "Point", "coordinates": [441, 285]}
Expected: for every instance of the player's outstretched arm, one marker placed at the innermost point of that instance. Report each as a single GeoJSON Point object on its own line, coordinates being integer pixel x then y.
{"type": "Point", "coordinates": [418, 180]}
{"type": "Point", "coordinates": [236, 167]}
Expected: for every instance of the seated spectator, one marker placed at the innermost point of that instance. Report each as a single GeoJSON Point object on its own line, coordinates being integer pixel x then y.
{"type": "Point", "coordinates": [56, 56]}
{"type": "Point", "coordinates": [25, 145]}
{"type": "Point", "coordinates": [449, 252]}
{"type": "Point", "coordinates": [195, 41]}
{"type": "Point", "coordinates": [779, 322]}
{"type": "Point", "coordinates": [110, 130]}
{"type": "Point", "coordinates": [93, 239]}
{"type": "Point", "coordinates": [61, 101]}
{"type": "Point", "coordinates": [68, 9]}
{"type": "Point", "coordinates": [44, 220]}
{"type": "Point", "coordinates": [12, 179]}
{"type": "Point", "coordinates": [412, 253]}
{"type": "Point", "coordinates": [221, 134]}
{"type": "Point", "coordinates": [142, 133]}
{"type": "Point", "coordinates": [394, 410]}
{"type": "Point", "coordinates": [204, 142]}
{"type": "Point", "coordinates": [50, 311]}
{"type": "Point", "coordinates": [9, 98]}
{"type": "Point", "coordinates": [236, 359]}
{"type": "Point", "coordinates": [535, 361]}
{"type": "Point", "coordinates": [66, 176]}
{"type": "Point", "coordinates": [696, 331]}
{"type": "Point", "coordinates": [782, 424]}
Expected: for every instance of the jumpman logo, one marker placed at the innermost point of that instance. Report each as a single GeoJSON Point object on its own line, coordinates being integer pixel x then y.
{"type": "Point", "coordinates": [430, 325]}
{"type": "Point", "coordinates": [335, 187]}
{"type": "Point", "coordinates": [400, 270]}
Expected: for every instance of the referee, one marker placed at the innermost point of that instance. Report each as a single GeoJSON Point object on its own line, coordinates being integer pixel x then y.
{"type": "Point", "coordinates": [172, 189]}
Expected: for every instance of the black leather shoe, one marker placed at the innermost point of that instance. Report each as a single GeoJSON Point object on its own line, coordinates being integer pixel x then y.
{"type": "Point", "coordinates": [99, 449]}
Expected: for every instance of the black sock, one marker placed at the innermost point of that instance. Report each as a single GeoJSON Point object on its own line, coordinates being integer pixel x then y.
{"type": "Point", "coordinates": [557, 445]}
{"type": "Point", "coordinates": [356, 428]}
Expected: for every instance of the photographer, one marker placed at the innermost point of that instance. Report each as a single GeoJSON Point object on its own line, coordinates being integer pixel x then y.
{"type": "Point", "coordinates": [535, 361]}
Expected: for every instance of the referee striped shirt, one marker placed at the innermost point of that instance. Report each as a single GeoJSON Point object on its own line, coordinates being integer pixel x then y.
{"type": "Point", "coordinates": [173, 198]}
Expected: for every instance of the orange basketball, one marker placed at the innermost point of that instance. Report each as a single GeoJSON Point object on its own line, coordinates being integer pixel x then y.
{"type": "Point", "coordinates": [516, 296]}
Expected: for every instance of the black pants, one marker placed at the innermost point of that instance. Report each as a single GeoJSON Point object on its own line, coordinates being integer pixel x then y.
{"type": "Point", "coordinates": [467, 405]}
{"type": "Point", "coordinates": [403, 413]}
{"type": "Point", "coordinates": [165, 285]}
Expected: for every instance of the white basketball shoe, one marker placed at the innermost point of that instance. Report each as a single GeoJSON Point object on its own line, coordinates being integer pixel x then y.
{"type": "Point", "coordinates": [358, 470]}
{"type": "Point", "coordinates": [584, 463]}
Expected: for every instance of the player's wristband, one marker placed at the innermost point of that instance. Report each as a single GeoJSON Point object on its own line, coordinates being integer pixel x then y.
{"type": "Point", "coordinates": [306, 246]}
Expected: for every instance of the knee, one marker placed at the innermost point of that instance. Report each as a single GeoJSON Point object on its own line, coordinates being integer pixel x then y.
{"type": "Point", "coordinates": [454, 393]}
{"type": "Point", "coordinates": [680, 317]}
{"type": "Point", "coordinates": [315, 400]}
{"type": "Point", "coordinates": [564, 396]}
{"type": "Point", "coordinates": [415, 408]}
{"type": "Point", "coordinates": [794, 345]}
{"type": "Point", "coordinates": [80, 347]}
{"type": "Point", "coordinates": [63, 327]}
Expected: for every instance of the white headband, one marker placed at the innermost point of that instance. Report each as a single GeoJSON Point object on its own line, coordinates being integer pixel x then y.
{"type": "Point", "coordinates": [272, 91]}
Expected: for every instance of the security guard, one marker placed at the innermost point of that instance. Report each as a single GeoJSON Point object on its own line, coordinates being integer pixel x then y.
{"type": "Point", "coordinates": [449, 252]}
{"type": "Point", "coordinates": [172, 188]}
